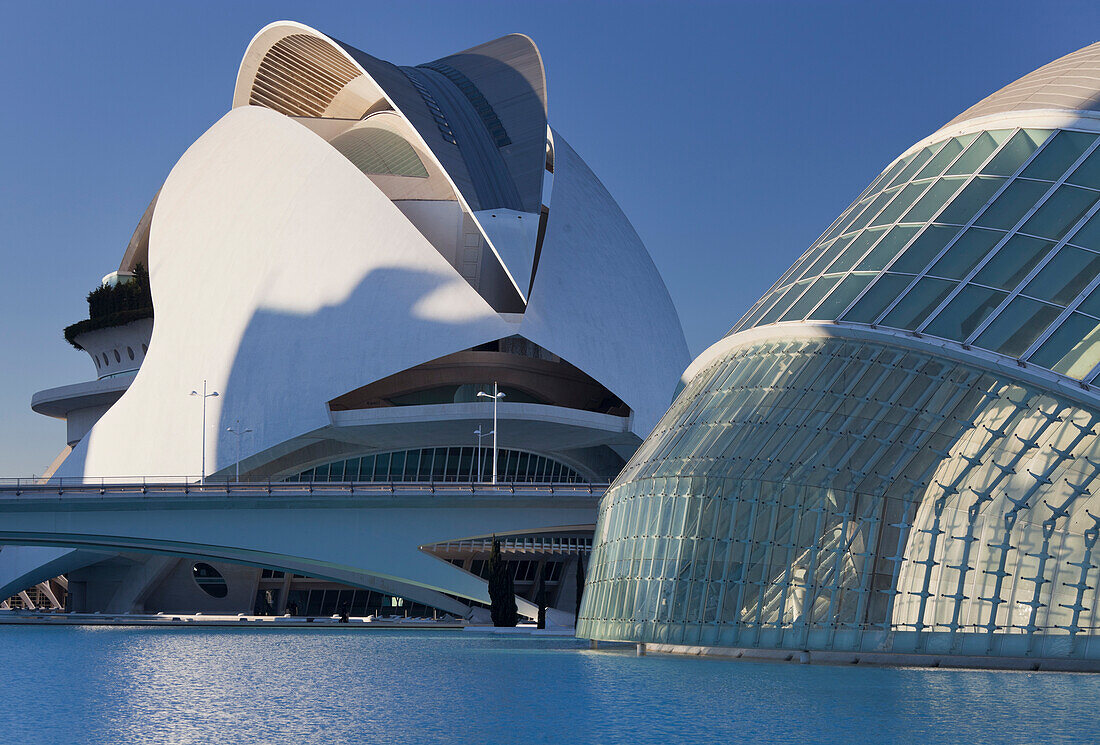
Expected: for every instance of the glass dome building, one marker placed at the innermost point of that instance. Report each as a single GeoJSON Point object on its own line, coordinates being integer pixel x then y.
{"type": "Point", "coordinates": [894, 454]}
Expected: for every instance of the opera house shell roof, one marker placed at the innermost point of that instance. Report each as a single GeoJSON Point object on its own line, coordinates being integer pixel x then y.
{"type": "Point", "coordinates": [349, 220]}
{"type": "Point", "coordinates": [348, 258]}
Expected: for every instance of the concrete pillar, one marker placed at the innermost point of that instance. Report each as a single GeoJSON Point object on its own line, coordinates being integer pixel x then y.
{"type": "Point", "coordinates": [640, 649]}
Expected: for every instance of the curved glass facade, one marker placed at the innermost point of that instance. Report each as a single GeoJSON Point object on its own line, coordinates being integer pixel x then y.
{"type": "Point", "coordinates": [989, 239]}
{"type": "Point", "coordinates": [444, 464]}
{"type": "Point", "coordinates": [831, 494]}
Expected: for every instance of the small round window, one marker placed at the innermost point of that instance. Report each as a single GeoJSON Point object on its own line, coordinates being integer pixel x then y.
{"type": "Point", "coordinates": [209, 580]}
{"type": "Point", "coordinates": [130, 351]}
{"type": "Point", "coordinates": [144, 349]}
{"type": "Point", "coordinates": [106, 362]}
{"type": "Point", "coordinates": [118, 358]}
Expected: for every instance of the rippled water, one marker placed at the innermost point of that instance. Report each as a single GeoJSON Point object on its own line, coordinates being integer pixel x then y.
{"type": "Point", "coordinates": [135, 685]}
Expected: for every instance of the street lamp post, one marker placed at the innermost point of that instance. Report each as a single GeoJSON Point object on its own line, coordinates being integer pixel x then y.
{"type": "Point", "coordinates": [497, 395]}
{"type": "Point", "coordinates": [239, 433]}
{"type": "Point", "coordinates": [205, 395]}
{"type": "Point", "coordinates": [479, 436]}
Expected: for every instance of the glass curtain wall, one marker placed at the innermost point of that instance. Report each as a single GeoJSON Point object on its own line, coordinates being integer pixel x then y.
{"type": "Point", "coordinates": [444, 464]}
{"type": "Point", "coordinates": [841, 495]}
{"type": "Point", "coordinates": [990, 239]}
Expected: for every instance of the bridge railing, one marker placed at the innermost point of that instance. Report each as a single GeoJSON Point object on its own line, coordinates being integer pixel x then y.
{"type": "Point", "coordinates": [190, 485]}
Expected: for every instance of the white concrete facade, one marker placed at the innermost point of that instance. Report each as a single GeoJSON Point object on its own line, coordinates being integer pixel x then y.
{"type": "Point", "coordinates": [345, 229]}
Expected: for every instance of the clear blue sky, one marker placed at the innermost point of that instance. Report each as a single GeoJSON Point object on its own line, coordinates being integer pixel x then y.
{"type": "Point", "coordinates": [730, 133]}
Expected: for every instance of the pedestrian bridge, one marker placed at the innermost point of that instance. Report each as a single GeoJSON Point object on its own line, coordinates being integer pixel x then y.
{"type": "Point", "coordinates": [362, 534]}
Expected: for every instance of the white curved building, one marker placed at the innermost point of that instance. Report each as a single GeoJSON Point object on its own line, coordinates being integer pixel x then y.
{"type": "Point", "coordinates": [348, 257]}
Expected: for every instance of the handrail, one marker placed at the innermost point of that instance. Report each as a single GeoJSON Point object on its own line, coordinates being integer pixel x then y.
{"type": "Point", "coordinates": [189, 486]}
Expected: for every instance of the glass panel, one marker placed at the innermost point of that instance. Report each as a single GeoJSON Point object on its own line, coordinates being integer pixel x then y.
{"type": "Point", "coordinates": [1089, 234]}
{"type": "Point", "coordinates": [890, 177]}
{"type": "Point", "coordinates": [901, 202]}
{"type": "Point", "coordinates": [1073, 349]}
{"type": "Point", "coordinates": [1064, 276]}
{"type": "Point", "coordinates": [945, 156]}
{"type": "Point", "coordinates": [965, 253]}
{"type": "Point", "coordinates": [1014, 202]}
{"type": "Point", "coordinates": [924, 249]}
{"type": "Point", "coordinates": [855, 250]}
{"type": "Point", "coordinates": [1091, 303]}
{"type": "Point", "coordinates": [1016, 151]}
{"type": "Point", "coordinates": [1058, 155]}
{"type": "Point", "coordinates": [827, 256]}
{"type": "Point", "coordinates": [810, 298]}
{"type": "Point", "coordinates": [915, 163]}
{"type": "Point", "coordinates": [1017, 327]}
{"type": "Point", "coordinates": [761, 310]}
{"type": "Point", "coordinates": [978, 151]}
{"type": "Point", "coordinates": [784, 302]}
{"type": "Point", "coordinates": [887, 248]}
{"type": "Point", "coordinates": [882, 293]}
{"type": "Point", "coordinates": [873, 210]}
{"type": "Point", "coordinates": [965, 313]}
{"type": "Point", "coordinates": [970, 200]}
{"type": "Point", "coordinates": [918, 303]}
{"type": "Point", "coordinates": [1088, 173]}
{"type": "Point", "coordinates": [1060, 213]}
{"type": "Point", "coordinates": [1013, 261]}
{"type": "Point", "coordinates": [841, 297]}
{"type": "Point", "coordinates": [933, 199]}
{"type": "Point", "coordinates": [842, 222]}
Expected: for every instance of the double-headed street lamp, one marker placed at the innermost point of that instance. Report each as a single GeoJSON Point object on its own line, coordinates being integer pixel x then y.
{"type": "Point", "coordinates": [239, 433]}
{"type": "Point", "coordinates": [479, 436]}
{"type": "Point", "coordinates": [497, 395]}
{"type": "Point", "coordinates": [205, 395]}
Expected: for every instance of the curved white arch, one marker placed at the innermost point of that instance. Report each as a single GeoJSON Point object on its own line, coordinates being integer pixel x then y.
{"type": "Point", "coordinates": [400, 103]}
{"type": "Point", "coordinates": [271, 251]}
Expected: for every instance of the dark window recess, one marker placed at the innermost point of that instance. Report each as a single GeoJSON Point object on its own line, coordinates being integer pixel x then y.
{"type": "Point", "coordinates": [483, 108]}
{"type": "Point", "coordinates": [209, 580]}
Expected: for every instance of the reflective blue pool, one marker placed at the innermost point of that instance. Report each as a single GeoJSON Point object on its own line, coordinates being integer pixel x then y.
{"type": "Point", "coordinates": [134, 685]}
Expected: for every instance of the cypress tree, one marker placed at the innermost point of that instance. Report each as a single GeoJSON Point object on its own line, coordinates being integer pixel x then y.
{"type": "Point", "coordinates": [502, 591]}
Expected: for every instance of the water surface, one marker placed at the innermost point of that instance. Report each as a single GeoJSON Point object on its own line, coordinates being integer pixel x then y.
{"type": "Point", "coordinates": [147, 685]}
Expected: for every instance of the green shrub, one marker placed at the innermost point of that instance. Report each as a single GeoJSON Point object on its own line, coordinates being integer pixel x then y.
{"type": "Point", "coordinates": [115, 306]}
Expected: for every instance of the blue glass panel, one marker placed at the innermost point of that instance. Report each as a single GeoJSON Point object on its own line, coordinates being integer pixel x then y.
{"type": "Point", "coordinates": [1064, 276]}
{"type": "Point", "coordinates": [1060, 212]}
{"type": "Point", "coordinates": [1089, 234]}
{"type": "Point", "coordinates": [1012, 204]}
{"type": "Point", "coordinates": [1012, 262]}
{"type": "Point", "coordinates": [966, 311]}
{"type": "Point", "coordinates": [882, 293]}
{"type": "Point", "coordinates": [965, 253]}
{"type": "Point", "coordinates": [1017, 150]}
{"type": "Point", "coordinates": [841, 297]}
{"type": "Point", "coordinates": [971, 199]}
{"type": "Point", "coordinates": [944, 157]}
{"type": "Point", "coordinates": [903, 201]}
{"type": "Point", "coordinates": [915, 305]}
{"type": "Point", "coordinates": [1058, 155]}
{"type": "Point", "coordinates": [925, 248]}
{"type": "Point", "coordinates": [1017, 327]}
{"type": "Point", "coordinates": [855, 250]}
{"type": "Point", "coordinates": [1073, 349]}
{"type": "Point", "coordinates": [933, 199]}
{"type": "Point", "coordinates": [810, 298]}
{"type": "Point", "coordinates": [915, 162]}
{"type": "Point", "coordinates": [978, 151]}
{"type": "Point", "coordinates": [887, 248]}
{"type": "Point", "coordinates": [1088, 173]}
